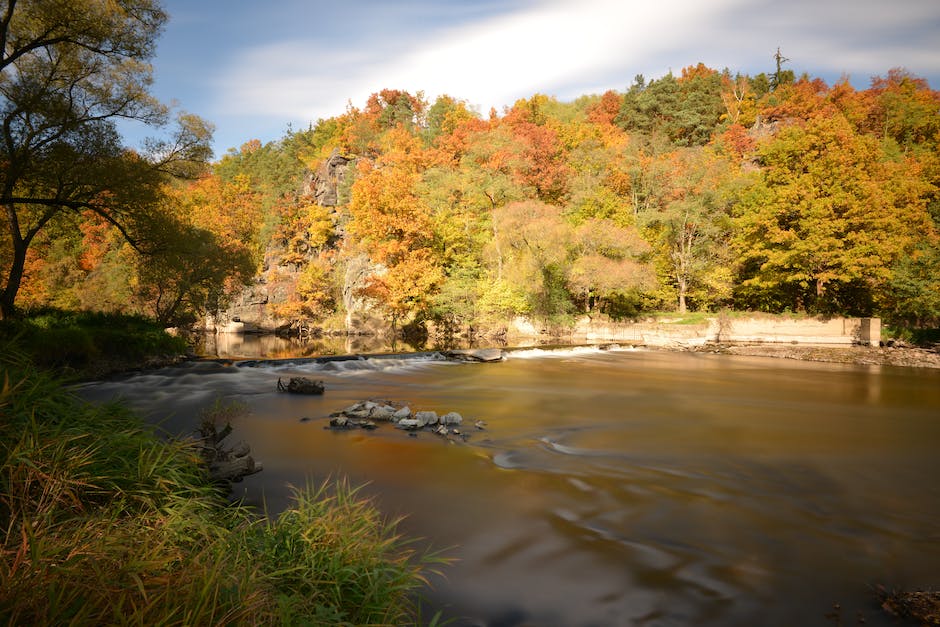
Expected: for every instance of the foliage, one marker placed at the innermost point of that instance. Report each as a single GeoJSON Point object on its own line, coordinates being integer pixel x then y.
{"type": "Point", "coordinates": [68, 71]}
{"type": "Point", "coordinates": [101, 522]}
{"type": "Point", "coordinates": [81, 341]}
{"type": "Point", "coordinates": [700, 191]}
{"type": "Point", "coordinates": [827, 219]}
{"type": "Point", "coordinates": [687, 109]}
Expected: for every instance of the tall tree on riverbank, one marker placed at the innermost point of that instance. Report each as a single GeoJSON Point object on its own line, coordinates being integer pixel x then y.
{"type": "Point", "coordinates": [69, 70]}
{"type": "Point", "coordinates": [829, 216]}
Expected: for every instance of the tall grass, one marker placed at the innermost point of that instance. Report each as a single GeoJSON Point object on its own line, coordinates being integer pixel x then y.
{"type": "Point", "coordinates": [103, 523]}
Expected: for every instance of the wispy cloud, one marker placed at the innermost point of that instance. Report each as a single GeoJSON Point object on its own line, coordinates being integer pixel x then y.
{"type": "Point", "coordinates": [494, 56]}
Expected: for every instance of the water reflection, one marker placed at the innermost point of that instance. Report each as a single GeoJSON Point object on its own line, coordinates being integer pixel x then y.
{"type": "Point", "coordinates": [620, 488]}
{"type": "Point", "coordinates": [270, 346]}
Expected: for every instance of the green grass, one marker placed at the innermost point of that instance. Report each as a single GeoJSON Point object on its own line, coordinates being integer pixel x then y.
{"type": "Point", "coordinates": [87, 344]}
{"type": "Point", "coordinates": [101, 522]}
{"type": "Point", "coordinates": [702, 317]}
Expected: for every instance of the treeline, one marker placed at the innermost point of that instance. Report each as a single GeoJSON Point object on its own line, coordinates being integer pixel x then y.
{"type": "Point", "coordinates": [701, 191]}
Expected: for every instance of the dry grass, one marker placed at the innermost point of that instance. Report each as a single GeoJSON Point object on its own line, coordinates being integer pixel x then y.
{"type": "Point", "coordinates": [103, 523]}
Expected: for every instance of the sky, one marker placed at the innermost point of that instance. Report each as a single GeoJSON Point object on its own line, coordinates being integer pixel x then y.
{"type": "Point", "coordinates": [255, 69]}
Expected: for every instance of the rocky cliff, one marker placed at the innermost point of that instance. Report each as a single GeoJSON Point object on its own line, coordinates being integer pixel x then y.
{"type": "Point", "coordinates": [265, 305]}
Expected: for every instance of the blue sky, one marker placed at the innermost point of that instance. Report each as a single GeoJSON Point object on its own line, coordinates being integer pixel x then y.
{"type": "Point", "coordinates": [253, 68]}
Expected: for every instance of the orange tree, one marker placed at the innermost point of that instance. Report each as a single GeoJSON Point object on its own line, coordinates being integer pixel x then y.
{"type": "Point", "coordinates": [393, 225]}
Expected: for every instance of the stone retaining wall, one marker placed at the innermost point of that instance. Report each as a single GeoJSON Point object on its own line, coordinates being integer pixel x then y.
{"type": "Point", "coordinates": [759, 329]}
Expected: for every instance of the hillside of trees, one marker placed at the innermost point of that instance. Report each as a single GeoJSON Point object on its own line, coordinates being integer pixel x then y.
{"type": "Point", "coordinates": [701, 191]}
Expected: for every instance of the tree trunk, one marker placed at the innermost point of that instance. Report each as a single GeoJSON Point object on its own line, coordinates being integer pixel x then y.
{"type": "Point", "coordinates": [682, 290]}
{"type": "Point", "coordinates": [14, 277]}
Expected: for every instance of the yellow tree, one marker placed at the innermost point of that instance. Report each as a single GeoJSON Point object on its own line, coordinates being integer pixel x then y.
{"type": "Point", "coordinates": [394, 227]}
{"type": "Point", "coordinates": [690, 227]}
{"type": "Point", "coordinates": [826, 219]}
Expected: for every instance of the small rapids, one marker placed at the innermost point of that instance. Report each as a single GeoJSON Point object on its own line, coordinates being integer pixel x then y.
{"type": "Point", "coordinates": [612, 487]}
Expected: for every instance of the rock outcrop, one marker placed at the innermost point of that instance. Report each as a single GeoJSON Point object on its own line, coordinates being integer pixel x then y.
{"type": "Point", "coordinates": [324, 183]}
{"type": "Point", "coordinates": [256, 306]}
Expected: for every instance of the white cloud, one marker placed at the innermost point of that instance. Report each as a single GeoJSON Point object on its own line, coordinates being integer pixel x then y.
{"type": "Point", "coordinates": [568, 47]}
{"type": "Point", "coordinates": [490, 62]}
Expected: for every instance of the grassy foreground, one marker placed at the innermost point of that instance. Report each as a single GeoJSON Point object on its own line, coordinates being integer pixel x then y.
{"type": "Point", "coordinates": [101, 522]}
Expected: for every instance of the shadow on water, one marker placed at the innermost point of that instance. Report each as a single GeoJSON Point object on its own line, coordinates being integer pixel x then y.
{"type": "Point", "coordinates": [615, 487]}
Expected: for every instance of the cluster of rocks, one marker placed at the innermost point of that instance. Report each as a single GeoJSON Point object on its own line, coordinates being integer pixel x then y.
{"type": "Point", "coordinates": [367, 415]}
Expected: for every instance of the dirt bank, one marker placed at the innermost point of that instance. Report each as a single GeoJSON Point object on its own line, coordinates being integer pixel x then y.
{"type": "Point", "coordinates": [864, 355]}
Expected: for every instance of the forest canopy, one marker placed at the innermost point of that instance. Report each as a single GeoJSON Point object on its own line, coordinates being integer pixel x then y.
{"type": "Point", "coordinates": [702, 191]}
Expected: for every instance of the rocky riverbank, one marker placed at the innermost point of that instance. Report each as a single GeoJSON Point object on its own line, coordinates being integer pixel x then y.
{"type": "Point", "coordinates": [861, 355]}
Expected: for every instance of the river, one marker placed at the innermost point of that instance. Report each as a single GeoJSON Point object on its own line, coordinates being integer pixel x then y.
{"type": "Point", "coordinates": [619, 487]}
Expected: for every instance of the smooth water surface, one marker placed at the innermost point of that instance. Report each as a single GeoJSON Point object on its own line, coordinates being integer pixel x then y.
{"type": "Point", "coordinates": [617, 487]}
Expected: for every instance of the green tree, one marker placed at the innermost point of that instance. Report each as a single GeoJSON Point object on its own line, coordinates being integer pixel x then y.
{"type": "Point", "coordinates": [190, 273]}
{"type": "Point", "coordinates": [687, 109]}
{"type": "Point", "coordinates": [69, 70]}
{"type": "Point", "coordinates": [826, 219]}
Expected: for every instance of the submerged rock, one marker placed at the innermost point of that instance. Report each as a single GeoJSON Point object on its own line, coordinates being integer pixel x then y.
{"type": "Point", "coordinates": [476, 354]}
{"type": "Point", "coordinates": [922, 606]}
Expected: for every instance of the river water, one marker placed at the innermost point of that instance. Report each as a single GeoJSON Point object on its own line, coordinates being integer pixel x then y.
{"type": "Point", "coordinates": [620, 487]}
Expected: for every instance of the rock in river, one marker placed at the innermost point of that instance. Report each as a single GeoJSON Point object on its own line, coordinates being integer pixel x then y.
{"type": "Point", "coordinates": [451, 418]}
{"type": "Point", "coordinates": [475, 354]}
{"type": "Point", "coordinates": [300, 385]}
{"type": "Point", "coordinates": [426, 418]}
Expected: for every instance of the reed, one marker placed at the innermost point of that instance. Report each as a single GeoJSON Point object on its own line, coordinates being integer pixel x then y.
{"type": "Point", "coordinates": [101, 522]}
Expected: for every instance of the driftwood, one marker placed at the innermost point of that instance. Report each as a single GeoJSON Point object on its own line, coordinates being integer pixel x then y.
{"type": "Point", "coordinates": [920, 605]}
{"type": "Point", "coordinates": [300, 385]}
{"type": "Point", "coordinates": [225, 464]}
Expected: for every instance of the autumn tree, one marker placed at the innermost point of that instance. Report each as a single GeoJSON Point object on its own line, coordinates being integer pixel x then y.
{"type": "Point", "coordinates": [825, 221]}
{"type": "Point", "coordinates": [539, 159]}
{"type": "Point", "coordinates": [445, 115]}
{"type": "Point", "coordinates": [190, 273]}
{"type": "Point", "coordinates": [608, 263]}
{"type": "Point", "coordinates": [555, 268]}
{"type": "Point", "coordinates": [68, 71]}
{"type": "Point", "coordinates": [393, 225]}
{"type": "Point", "coordinates": [533, 242]}
{"type": "Point", "coordinates": [905, 110]}
{"type": "Point", "coordinates": [689, 226]}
